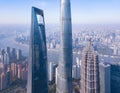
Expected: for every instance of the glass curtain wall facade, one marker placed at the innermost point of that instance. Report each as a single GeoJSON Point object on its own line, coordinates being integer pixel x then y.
{"type": "Point", "coordinates": [64, 75]}
{"type": "Point", "coordinates": [37, 68]}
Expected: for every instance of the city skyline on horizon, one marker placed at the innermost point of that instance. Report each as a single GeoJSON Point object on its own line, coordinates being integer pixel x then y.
{"type": "Point", "coordinates": [68, 61]}
{"type": "Point", "coordinates": [83, 11]}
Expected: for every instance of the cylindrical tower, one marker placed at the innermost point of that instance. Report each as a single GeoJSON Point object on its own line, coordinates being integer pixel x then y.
{"type": "Point", "coordinates": [64, 76]}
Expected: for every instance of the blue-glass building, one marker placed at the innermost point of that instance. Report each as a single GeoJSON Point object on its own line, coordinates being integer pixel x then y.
{"type": "Point", "coordinates": [37, 69]}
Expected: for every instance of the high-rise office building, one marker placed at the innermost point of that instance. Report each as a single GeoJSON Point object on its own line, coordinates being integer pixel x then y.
{"type": "Point", "coordinates": [37, 67]}
{"type": "Point", "coordinates": [19, 71]}
{"type": "Point", "coordinates": [64, 75]}
{"type": "Point", "coordinates": [24, 73]}
{"type": "Point", "coordinates": [6, 58]}
{"type": "Point", "coordinates": [104, 70]}
{"type": "Point", "coordinates": [14, 55]}
{"type": "Point", "coordinates": [115, 77]}
{"type": "Point", "coordinates": [3, 52]}
{"type": "Point", "coordinates": [76, 72]}
{"type": "Point", "coordinates": [19, 54]}
{"type": "Point", "coordinates": [56, 72]}
{"type": "Point", "coordinates": [8, 76]}
{"type": "Point", "coordinates": [50, 71]}
{"type": "Point", "coordinates": [2, 81]}
{"type": "Point", "coordinates": [8, 49]}
{"type": "Point", "coordinates": [89, 71]}
{"type": "Point", "coordinates": [14, 70]}
{"type": "Point", "coordinates": [76, 69]}
{"type": "Point", "coordinates": [1, 66]}
{"type": "Point", "coordinates": [1, 56]}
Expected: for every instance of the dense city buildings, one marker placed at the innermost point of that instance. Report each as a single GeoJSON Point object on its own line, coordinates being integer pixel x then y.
{"type": "Point", "coordinates": [56, 61]}
{"type": "Point", "coordinates": [37, 67]}
{"type": "Point", "coordinates": [10, 72]}
{"type": "Point", "coordinates": [104, 69]}
{"type": "Point", "coordinates": [90, 82]}
{"type": "Point", "coordinates": [64, 75]}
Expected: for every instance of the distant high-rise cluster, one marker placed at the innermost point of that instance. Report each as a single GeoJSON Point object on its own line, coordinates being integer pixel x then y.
{"type": "Point", "coordinates": [9, 69]}
{"type": "Point", "coordinates": [90, 82]}
{"type": "Point", "coordinates": [9, 55]}
{"type": "Point", "coordinates": [12, 72]}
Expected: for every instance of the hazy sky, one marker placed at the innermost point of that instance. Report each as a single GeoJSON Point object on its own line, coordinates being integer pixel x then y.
{"type": "Point", "coordinates": [83, 11]}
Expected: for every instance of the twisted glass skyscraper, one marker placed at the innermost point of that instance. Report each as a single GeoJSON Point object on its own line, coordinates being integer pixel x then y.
{"type": "Point", "coordinates": [37, 69]}
{"type": "Point", "coordinates": [64, 75]}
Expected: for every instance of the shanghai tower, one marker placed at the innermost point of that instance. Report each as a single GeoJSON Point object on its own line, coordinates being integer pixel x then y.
{"type": "Point", "coordinates": [37, 67]}
{"type": "Point", "coordinates": [64, 75]}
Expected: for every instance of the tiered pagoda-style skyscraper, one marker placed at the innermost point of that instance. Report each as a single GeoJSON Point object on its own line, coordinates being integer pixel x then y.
{"type": "Point", "coordinates": [37, 68]}
{"type": "Point", "coordinates": [64, 75]}
{"type": "Point", "coordinates": [90, 82]}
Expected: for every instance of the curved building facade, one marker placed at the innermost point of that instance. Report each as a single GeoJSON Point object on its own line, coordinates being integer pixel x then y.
{"type": "Point", "coordinates": [64, 75]}
{"type": "Point", "coordinates": [37, 68]}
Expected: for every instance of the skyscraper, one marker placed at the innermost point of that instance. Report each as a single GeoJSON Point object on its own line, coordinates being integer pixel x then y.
{"type": "Point", "coordinates": [14, 70]}
{"type": "Point", "coordinates": [6, 58]}
{"type": "Point", "coordinates": [75, 72]}
{"type": "Point", "coordinates": [19, 72]}
{"type": "Point", "coordinates": [19, 54]}
{"type": "Point", "coordinates": [104, 70]}
{"type": "Point", "coordinates": [51, 71]}
{"type": "Point", "coordinates": [115, 77]}
{"type": "Point", "coordinates": [37, 69]}
{"type": "Point", "coordinates": [2, 81]}
{"type": "Point", "coordinates": [64, 75]}
{"type": "Point", "coordinates": [8, 76]}
{"type": "Point", "coordinates": [14, 55]}
{"type": "Point", "coordinates": [89, 71]}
